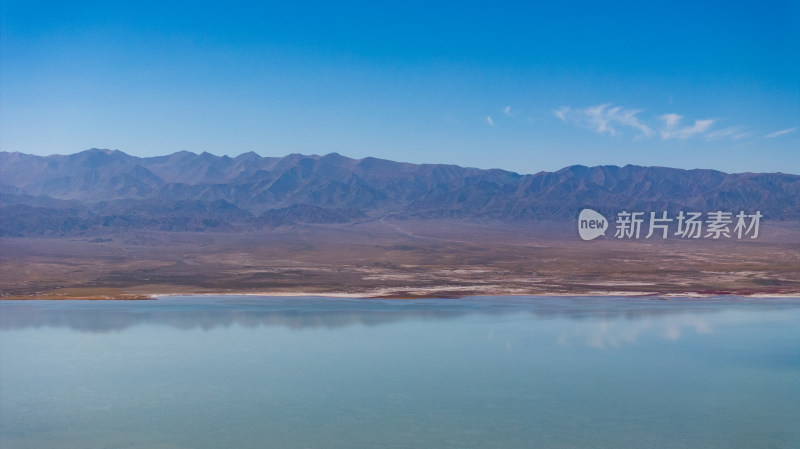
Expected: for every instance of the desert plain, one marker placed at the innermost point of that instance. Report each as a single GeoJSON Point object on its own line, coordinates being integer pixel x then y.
{"type": "Point", "coordinates": [398, 258]}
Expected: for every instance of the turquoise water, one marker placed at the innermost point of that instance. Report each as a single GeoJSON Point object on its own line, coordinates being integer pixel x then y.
{"type": "Point", "coordinates": [492, 372]}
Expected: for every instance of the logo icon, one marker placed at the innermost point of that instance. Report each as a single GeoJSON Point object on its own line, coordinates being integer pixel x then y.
{"type": "Point", "coordinates": [591, 224]}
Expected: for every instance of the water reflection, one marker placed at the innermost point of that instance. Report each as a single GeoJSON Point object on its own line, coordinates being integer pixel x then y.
{"type": "Point", "coordinates": [615, 333]}
{"type": "Point", "coordinates": [254, 372]}
{"type": "Point", "coordinates": [618, 320]}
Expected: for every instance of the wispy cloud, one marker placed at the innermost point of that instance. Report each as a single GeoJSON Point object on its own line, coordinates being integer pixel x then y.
{"type": "Point", "coordinates": [673, 130]}
{"type": "Point", "coordinates": [721, 133]}
{"type": "Point", "coordinates": [489, 120]}
{"type": "Point", "coordinates": [604, 119]}
{"type": "Point", "coordinates": [671, 120]}
{"type": "Point", "coordinates": [780, 133]}
{"type": "Point", "coordinates": [562, 112]}
{"type": "Point", "coordinates": [507, 111]}
{"type": "Point", "coordinates": [614, 120]}
{"type": "Point", "coordinates": [731, 132]}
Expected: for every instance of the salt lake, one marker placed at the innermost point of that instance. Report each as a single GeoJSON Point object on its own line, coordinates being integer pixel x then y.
{"type": "Point", "coordinates": [480, 372]}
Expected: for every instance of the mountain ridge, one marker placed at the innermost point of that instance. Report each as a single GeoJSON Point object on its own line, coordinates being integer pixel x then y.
{"type": "Point", "coordinates": [186, 191]}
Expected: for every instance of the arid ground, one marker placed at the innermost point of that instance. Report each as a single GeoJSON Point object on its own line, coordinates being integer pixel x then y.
{"type": "Point", "coordinates": [397, 259]}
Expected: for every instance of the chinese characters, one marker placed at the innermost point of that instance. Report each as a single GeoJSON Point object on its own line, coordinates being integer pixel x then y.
{"type": "Point", "coordinates": [688, 225]}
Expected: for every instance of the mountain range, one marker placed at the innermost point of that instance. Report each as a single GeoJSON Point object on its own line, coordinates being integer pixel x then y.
{"type": "Point", "coordinates": [102, 191]}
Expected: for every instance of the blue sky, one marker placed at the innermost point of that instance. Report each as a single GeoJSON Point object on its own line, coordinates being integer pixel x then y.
{"type": "Point", "coordinates": [521, 86]}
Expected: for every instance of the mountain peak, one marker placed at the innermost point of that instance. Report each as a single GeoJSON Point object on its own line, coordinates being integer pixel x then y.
{"type": "Point", "coordinates": [335, 157]}
{"type": "Point", "coordinates": [102, 150]}
{"type": "Point", "coordinates": [249, 155]}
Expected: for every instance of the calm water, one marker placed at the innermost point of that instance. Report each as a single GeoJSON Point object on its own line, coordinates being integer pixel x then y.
{"type": "Point", "coordinates": [251, 372]}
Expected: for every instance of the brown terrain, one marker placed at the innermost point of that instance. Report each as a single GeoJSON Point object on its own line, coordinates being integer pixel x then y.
{"type": "Point", "coordinates": [400, 258]}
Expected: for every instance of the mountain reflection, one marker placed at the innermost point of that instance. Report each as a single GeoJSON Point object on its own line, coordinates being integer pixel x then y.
{"type": "Point", "coordinates": [209, 312]}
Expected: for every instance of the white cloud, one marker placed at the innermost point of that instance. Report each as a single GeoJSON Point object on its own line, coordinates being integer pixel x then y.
{"type": "Point", "coordinates": [672, 129]}
{"type": "Point", "coordinates": [507, 110]}
{"type": "Point", "coordinates": [732, 132]}
{"type": "Point", "coordinates": [671, 120]}
{"type": "Point", "coordinates": [720, 133]}
{"type": "Point", "coordinates": [604, 119]}
{"type": "Point", "coordinates": [616, 120]}
{"type": "Point", "coordinates": [780, 133]}
{"type": "Point", "coordinates": [489, 120]}
{"type": "Point", "coordinates": [562, 112]}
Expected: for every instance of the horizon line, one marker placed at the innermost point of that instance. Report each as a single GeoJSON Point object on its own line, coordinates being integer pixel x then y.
{"type": "Point", "coordinates": [334, 153]}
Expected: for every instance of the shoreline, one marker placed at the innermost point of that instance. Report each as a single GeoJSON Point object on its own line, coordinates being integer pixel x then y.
{"type": "Point", "coordinates": [389, 294]}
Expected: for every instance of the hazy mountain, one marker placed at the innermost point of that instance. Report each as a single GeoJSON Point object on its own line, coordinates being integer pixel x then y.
{"type": "Point", "coordinates": [103, 190]}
